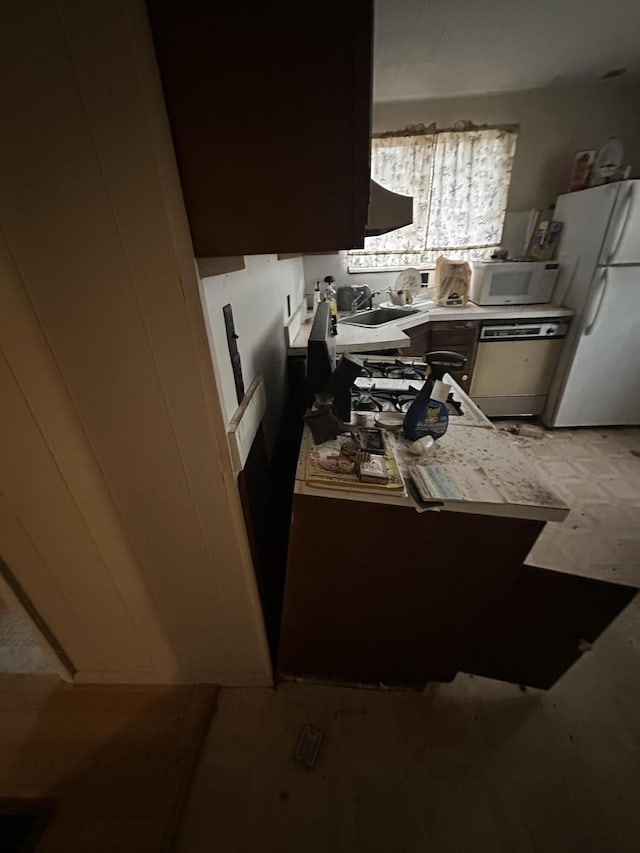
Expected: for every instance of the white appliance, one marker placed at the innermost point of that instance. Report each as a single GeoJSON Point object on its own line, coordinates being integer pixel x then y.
{"type": "Point", "coordinates": [515, 364]}
{"type": "Point", "coordinates": [597, 382]}
{"type": "Point", "coordinates": [512, 282]}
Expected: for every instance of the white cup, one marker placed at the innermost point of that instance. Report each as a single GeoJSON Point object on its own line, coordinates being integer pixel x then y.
{"type": "Point", "coordinates": [398, 297]}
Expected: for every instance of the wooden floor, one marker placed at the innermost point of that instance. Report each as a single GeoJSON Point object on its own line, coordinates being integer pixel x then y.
{"type": "Point", "coordinates": [117, 760]}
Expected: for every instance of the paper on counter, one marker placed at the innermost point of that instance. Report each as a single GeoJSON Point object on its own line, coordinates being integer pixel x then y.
{"type": "Point", "coordinates": [437, 482]}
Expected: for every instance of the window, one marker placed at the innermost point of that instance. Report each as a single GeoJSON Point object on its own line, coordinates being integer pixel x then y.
{"type": "Point", "coordinates": [459, 180]}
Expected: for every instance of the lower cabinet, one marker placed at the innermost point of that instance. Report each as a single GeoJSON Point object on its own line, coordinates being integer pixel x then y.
{"type": "Point", "coordinates": [455, 335]}
{"type": "Point", "coordinates": [379, 594]}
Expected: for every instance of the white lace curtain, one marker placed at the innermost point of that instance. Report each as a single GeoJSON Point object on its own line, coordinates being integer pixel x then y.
{"type": "Point", "coordinates": [459, 181]}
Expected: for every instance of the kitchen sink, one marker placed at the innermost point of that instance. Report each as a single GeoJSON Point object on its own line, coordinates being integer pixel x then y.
{"type": "Point", "coordinates": [378, 316]}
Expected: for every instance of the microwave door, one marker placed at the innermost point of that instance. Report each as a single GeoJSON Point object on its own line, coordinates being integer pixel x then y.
{"type": "Point", "coordinates": [510, 287]}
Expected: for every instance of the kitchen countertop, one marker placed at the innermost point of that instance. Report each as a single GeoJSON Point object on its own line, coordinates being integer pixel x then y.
{"type": "Point", "coordinates": [488, 452]}
{"type": "Point", "coordinates": [392, 336]}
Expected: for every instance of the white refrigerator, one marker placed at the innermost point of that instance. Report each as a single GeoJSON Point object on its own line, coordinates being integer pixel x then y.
{"type": "Point", "coordinates": [597, 382]}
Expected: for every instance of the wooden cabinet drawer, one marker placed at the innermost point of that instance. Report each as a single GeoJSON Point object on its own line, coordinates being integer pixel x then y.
{"type": "Point", "coordinates": [453, 335]}
{"type": "Point", "coordinates": [456, 335]}
{"type": "Point", "coordinates": [455, 324]}
{"type": "Point", "coordinates": [416, 331]}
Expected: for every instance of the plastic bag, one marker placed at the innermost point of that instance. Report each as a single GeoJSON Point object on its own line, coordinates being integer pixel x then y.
{"type": "Point", "coordinates": [452, 281]}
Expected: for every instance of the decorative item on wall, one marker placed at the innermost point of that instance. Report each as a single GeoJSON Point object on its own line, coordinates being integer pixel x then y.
{"type": "Point", "coordinates": [544, 239]}
{"type": "Point", "coordinates": [582, 168]}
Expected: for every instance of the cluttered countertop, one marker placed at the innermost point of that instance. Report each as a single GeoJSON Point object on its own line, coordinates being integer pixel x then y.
{"type": "Point", "coordinates": [474, 468]}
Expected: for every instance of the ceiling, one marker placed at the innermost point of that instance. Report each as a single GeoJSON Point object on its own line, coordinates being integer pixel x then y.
{"type": "Point", "coordinates": [442, 48]}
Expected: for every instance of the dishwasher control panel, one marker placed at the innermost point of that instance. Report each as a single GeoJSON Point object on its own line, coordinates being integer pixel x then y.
{"type": "Point", "coordinates": [527, 330]}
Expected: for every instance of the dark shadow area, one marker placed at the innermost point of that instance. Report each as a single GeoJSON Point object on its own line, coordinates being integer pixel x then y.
{"type": "Point", "coordinates": [115, 762]}
{"type": "Point", "coordinates": [266, 489]}
{"type": "Point", "coordinates": [22, 822]}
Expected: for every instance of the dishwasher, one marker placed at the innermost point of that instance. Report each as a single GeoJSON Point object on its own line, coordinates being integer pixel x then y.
{"type": "Point", "coordinates": [514, 366]}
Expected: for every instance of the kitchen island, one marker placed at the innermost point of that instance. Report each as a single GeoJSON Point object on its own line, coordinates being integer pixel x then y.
{"type": "Point", "coordinates": [379, 593]}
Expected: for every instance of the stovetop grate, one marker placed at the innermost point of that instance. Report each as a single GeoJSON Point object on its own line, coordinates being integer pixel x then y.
{"type": "Point", "coordinates": [374, 400]}
{"type": "Point", "coordinates": [396, 369]}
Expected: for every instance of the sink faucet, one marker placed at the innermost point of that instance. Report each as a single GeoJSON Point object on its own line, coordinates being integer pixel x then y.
{"type": "Point", "coordinates": [362, 299]}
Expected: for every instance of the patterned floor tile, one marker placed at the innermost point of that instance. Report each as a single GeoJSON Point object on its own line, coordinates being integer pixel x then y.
{"type": "Point", "coordinates": [597, 474]}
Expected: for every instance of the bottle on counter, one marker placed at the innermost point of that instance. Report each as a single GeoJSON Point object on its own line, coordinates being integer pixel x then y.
{"type": "Point", "coordinates": [334, 317]}
{"type": "Point", "coordinates": [314, 298]}
{"type": "Point", "coordinates": [436, 420]}
{"type": "Point", "coordinates": [428, 414]}
{"type": "Point", "coordinates": [329, 295]}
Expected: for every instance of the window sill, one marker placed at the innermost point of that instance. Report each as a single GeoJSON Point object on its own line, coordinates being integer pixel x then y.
{"type": "Point", "coordinates": [373, 270]}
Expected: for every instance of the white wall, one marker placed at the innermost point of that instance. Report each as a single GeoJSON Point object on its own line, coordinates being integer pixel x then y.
{"type": "Point", "coordinates": [121, 519]}
{"type": "Point", "coordinates": [258, 296]}
{"type": "Point", "coordinates": [316, 267]}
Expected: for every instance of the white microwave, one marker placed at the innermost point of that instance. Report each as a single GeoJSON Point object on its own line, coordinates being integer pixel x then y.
{"type": "Point", "coordinates": [512, 282]}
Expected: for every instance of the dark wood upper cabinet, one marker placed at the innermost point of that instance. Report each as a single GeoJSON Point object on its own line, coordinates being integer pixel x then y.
{"type": "Point", "coordinates": [270, 111]}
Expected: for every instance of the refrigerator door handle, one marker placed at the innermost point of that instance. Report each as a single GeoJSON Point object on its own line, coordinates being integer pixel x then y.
{"type": "Point", "coordinates": [627, 205]}
{"type": "Point", "coordinates": [597, 302]}
{"type": "Point", "coordinates": [560, 297]}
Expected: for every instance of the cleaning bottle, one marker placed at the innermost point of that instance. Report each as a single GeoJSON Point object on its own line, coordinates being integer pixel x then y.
{"type": "Point", "coordinates": [330, 297]}
{"type": "Point", "coordinates": [437, 417]}
{"type": "Point", "coordinates": [428, 414]}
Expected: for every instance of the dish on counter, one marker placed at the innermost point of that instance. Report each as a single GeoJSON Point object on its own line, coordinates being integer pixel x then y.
{"type": "Point", "coordinates": [423, 305]}
{"type": "Point", "coordinates": [389, 420]}
{"type": "Point", "coordinates": [409, 281]}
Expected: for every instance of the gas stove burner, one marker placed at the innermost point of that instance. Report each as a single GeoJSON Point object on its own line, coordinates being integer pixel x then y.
{"type": "Point", "coordinates": [372, 369]}
{"type": "Point", "coordinates": [373, 400]}
{"type": "Point", "coordinates": [393, 369]}
{"type": "Point", "coordinates": [404, 401]}
{"type": "Point", "coordinates": [401, 381]}
{"type": "Point", "coordinates": [400, 370]}
{"type": "Point", "coordinates": [365, 402]}
{"type": "Point", "coordinates": [387, 403]}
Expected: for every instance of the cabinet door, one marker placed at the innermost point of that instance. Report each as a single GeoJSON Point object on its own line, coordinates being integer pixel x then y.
{"type": "Point", "coordinates": [447, 334]}
{"type": "Point", "coordinates": [419, 340]}
{"type": "Point", "coordinates": [541, 624]}
{"type": "Point", "coordinates": [458, 336]}
{"type": "Point", "coordinates": [462, 377]}
{"type": "Point", "coordinates": [269, 107]}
